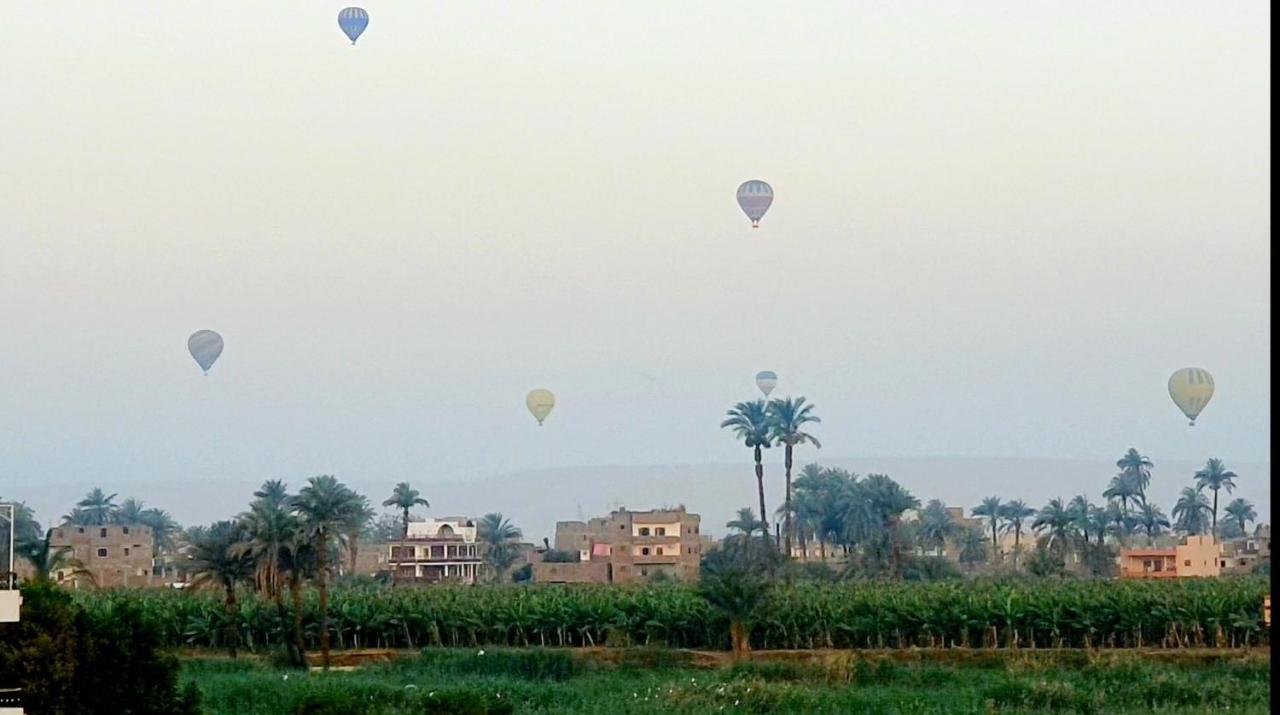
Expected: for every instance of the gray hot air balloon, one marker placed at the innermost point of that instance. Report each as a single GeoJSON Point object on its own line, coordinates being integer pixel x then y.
{"type": "Point", "coordinates": [755, 197]}
{"type": "Point", "coordinates": [205, 347]}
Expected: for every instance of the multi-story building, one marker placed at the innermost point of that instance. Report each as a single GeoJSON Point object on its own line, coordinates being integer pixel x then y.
{"type": "Point", "coordinates": [1242, 555]}
{"type": "Point", "coordinates": [627, 546]}
{"type": "Point", "coordinates": [112, 555]}
{"type": "Point", "coordinates": [437, 550]}
{"type": "Point", "coordinates": [1199, 556]}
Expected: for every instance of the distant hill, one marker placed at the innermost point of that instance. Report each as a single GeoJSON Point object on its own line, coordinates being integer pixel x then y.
{"type": "Point", "coordinates": [536, 499]}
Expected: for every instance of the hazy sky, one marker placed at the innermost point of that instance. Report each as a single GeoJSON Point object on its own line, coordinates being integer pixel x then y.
{"type": "Point", "coordinates": [998, 228]}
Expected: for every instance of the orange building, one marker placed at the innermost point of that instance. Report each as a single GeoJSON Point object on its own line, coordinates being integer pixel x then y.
{"type": "Point", "coordinates": [1199, 556]}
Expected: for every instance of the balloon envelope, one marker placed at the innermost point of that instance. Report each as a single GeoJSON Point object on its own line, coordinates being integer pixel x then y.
{"type": "Point", "coordinates": [766, 380]}
{"type": "Point", "coordinates": [353, 20]}
{"type": "Point", "coordinates": [205, 346]}
{"type": "Point", "coordinates": [540, 403]}
{"type": "Point", "coordinates": [755, 197]}
{"type": "Point", "coordinates": [1191, 388]}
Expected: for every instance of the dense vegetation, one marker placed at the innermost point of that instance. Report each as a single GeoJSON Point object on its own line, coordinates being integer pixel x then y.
{"type": "Point", "coordinates": [108, 658]}
{"type": "Point", "coordinates": [1023, 613]}
{"type": "Point", "coordinates": [552, 681]}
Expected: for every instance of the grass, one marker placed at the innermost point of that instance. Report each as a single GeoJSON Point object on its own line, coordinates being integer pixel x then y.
{"type": "Point", "coordinates": [467, 681]}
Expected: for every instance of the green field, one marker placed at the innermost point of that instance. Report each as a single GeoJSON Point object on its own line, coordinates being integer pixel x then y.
{"type": "Point", "coordinates": [1043, 613]}
{"type": "Point", "coordinates": [665, 680]}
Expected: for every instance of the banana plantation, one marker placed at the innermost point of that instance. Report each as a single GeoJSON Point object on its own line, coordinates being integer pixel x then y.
{"type": "Point", "coordinates": [1219, 613]}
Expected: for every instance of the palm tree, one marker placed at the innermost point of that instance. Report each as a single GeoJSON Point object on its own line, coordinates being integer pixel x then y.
{"type": "Point", "coordinates": [990, 508]}
{"type": "Point", "coordinates": [1215, 476]}
{"type": "Point", "coordinates": [99, 508]}
{"type": "Point", "coordinates": [1079, 507]}
{"type": "Point", "coordinates": [325, 508]}
{"type": "Point", "coordinates": [936, 525]}
{"type": "Point", "coordinates": [271, 532]}
{"type": "Point", "coordinates": [1117, 519]}
{"type": "Point", "coordinates": [77, 517]}
{"type": "Point", "coordinates": [499, 535]}
{"type": "Point", "coordinates": [746, 522]}
{"type": "Point", "coordinates": [750, 423]}
{"type": "Point", "coordinates": [129, 512]}
{"type": "Point", "coordinates": [1097, 522]}
{"type": "Point", "coordinates": [1138, 469]}
{"type": "Point", "coordinates": [1123, 488]}
{"type": "Point", "coordinates": [216, 561]}
{"type": "Point", "coordinates": [888, 501]}
{"type": "Point", "coordinates": [1191, 512]}
{"type": "Point", "coordinates": [47, 560]}
{"type": "Point", "coordinates": [1056, 522]}
{"type": "Point", "coordinates": [1151, 520]}
{"type": "Point", "coordinates": [163, 528]}
{"type": "Point", "coordinates": [26, 529]}
{"type": "Point", "coordinates": [404, 498]}
{"type": "Point", "coordinates": [789, 418]}
{"type": "Point", "coordinates": [1015, 513]}
{"type": "Point", "coordinates": [973, 546]}
{"type": "Point", "coordinates": [1241, 511]}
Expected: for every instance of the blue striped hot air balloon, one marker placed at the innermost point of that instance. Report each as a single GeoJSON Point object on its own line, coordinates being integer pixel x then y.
{"type": "Point", "coordinates": [205, 346]}
{"type": "Point", "coordinates": [755, 197]}
{"type": "Point", "coordinates": [353, 20]}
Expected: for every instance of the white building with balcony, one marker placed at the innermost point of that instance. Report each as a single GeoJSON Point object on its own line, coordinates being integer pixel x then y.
{"type": "Point", "coordinates": [441, 550]}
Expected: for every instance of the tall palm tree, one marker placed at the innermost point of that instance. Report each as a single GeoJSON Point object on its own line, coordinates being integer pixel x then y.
{"type": "Point", "coordinates": [274, 492]}
{"type": "Point", "coordinates": [1118, 520]}
{"type": "Point", "coordinates": [1015, 513]}
{"type": "Point", "coordinates": [99, 508]}
{"type": "Point", "coordinates": [746, 522]}
{"type": "Point", "coordinates": [499, 536]}
{"type": "Point", "coordinates": [1056, 523]}
{"type": "Point", "coordinates": [750, 423]}
{"type": "Point", "coordinates": [1241, 511]}
{"type": "Point", "coordinates": [972, 544]}
{"type": "Point", "coordinates": [1191, 512]}
{"type": "Point", "coordinates": [77, 517]}
{"type": "Point", "coordinates": [888, 501]}
{"type": "Point", "coordinates": [789, 418]}
{"type": "Point", "coordinates": [1152, 520]}
{"type": "Point", "coordinates": [1123, 489]}
{"type": "Point", "coordinates": [1097, 522]}
{"type": "Point", "coordinates": [129, 512]}
{"type": "Point", "coordinates": [216, 561]}
{"type": "Point", "coordinates": [404, 498]}
{"type": "Point", "coordinates": [325, 508]}
{"type": "Point", "coordinates": [1138, 470]}
{"type": "Point", "coordinates": [271, 533]}
{"type": "Point", "coordinates": [163, 529]}
{"type": "Point", "coordinates": [1215, 476]}
{"type": "Point", "coordinates": [990, 508]}
{"type": "Point", "coordinates": [1079, 507]}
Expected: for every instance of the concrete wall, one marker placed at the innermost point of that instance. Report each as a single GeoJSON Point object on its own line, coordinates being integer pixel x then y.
{"type": "Point", "coordinates": [581, 572]}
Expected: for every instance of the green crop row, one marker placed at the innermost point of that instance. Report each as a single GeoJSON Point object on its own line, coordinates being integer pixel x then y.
{"type": "Point", "coordinates": [1018, 613]}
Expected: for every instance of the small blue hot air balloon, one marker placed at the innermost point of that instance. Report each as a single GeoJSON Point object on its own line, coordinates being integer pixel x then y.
{"type": "Point", "coordinates": [353, 20]}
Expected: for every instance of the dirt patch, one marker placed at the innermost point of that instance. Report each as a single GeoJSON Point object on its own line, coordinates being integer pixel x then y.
{"type": "Point", "coordinates": [346, 659]}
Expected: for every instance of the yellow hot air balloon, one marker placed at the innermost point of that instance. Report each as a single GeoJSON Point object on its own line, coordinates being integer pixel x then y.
{"type": "Point", "coordinates": [540, 403]}
{"type": "Point", "coordinates": [1191, 388]}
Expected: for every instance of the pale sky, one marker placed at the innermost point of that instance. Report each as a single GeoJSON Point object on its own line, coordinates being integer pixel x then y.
{"type": "Point", "coordinates": [998, 228]}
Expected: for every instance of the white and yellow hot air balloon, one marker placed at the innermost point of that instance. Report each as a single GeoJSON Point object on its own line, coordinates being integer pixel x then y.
{"type": "Point", "coordinates": [1191, 388]}
{"type": "Point", "coordinates": [540, 403]}
{"type": "Point", "coordinates": [766, 380]}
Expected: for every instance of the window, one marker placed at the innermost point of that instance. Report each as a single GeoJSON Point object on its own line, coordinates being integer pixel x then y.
{"type": "Point", "coordinates": [660, 531]}
{"type": "Point", "coordinates": [126, 551]}
{"type": "Point", "coordinates": [644, 551]}
{"type": "Point", "coordinates": [659, 550]}
{"type": "Point", "coordinates": [1187, 562]}
{"type": "Point", "coordinates": [644, 531]}
{"type": "Point", "coordinates": [102, 553]}
{"type": "Point", "coordinates": [125, 529]}
{"type": "Point", "coordinates": [59, 575]}
{"type": "Point", "coordinates": [80, 530]}
{"type": "Point", "coordinates": [644, 571]}
{"type": "Point", "coordinates": [103, 532]}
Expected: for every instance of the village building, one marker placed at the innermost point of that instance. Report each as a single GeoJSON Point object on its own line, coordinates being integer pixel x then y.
{"type": "Point", "coordinates": [627, 547]}
{"type": "Point", "coordinates": [1199, 556]}
{"type": "Point", "coordinates": [110, 555]}
{"type": "Point", "coordinates": [442, 550]}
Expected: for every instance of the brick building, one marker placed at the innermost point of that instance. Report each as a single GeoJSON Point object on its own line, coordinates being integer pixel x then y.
{"type": "Point", "coordinates": [115, 555]}
{"type": "Point", "coordinates": [627, 546]}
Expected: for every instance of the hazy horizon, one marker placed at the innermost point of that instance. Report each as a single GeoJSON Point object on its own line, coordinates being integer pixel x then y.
{"type": "Point", "coordinates": [997, 230]}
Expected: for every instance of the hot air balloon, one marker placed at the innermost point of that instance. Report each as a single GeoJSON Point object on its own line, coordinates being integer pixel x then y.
{"type": "Point", "coordinates": [353, 20]}
{"type": "Point", "coordinates": [754, 197]}
{"type": "Point", "coordinates": [1191, 388]}
{"type": "Point", "coordinates": [766, 380]}
{"type": "Point", "coordinates": [205, 347]}
{"type": "Point", "coordinates": [540, 403]}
